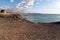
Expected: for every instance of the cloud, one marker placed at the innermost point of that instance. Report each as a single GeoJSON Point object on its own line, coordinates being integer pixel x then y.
{"type": "Point", "coordinates": [57, 4]}
{"type": "Point", "coordinates": [5, 7]}
{"type": "Point", "coordinates": [11, 0]}
{"type": "Point", "coordinates": [28, 3]}
{"type": "Point", "coordinates": [23, 5]}
{"type": "Point", "coordinates": [18, 5]}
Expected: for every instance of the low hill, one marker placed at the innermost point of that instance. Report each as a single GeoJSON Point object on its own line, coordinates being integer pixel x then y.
{"type": "Point", "coordinates": [14, 27]}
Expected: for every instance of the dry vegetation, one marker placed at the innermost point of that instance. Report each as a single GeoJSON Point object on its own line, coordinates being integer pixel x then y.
{"type": "Point", "coordinates": [14, 27]}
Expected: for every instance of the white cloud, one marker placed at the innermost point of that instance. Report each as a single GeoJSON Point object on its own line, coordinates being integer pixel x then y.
{"type": "Point", "coordinates": [11, 0]}
{"type": "Point", "coordinates": [18, 5]}
{"type": "Point", "coordinates": [50, 11]}
{"type": "Point", "coordinates": [5, 7]}
{"type": "Point", "coordinates": [30, 3]}
{"type": "Point", "coordinates": [23, 5]}
{"type": "Point", "coordinates": [53, 7]}
{"type": "Point", "coordinates": [57, 4]}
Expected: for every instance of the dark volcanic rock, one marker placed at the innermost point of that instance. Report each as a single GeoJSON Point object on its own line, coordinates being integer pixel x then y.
{"type": "Point", "coordinates": [14, 27]}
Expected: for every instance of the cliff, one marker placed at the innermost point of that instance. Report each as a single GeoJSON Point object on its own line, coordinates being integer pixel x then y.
{"type": "Point", "coordinates": [14, 27]}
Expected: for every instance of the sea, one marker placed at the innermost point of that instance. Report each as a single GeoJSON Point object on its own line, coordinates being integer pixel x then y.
{"type": "Point", "coordinates": [41, 18]}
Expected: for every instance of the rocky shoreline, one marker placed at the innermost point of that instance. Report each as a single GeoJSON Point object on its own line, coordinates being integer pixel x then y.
{"type": "Point", "coordinates": [14, 27]}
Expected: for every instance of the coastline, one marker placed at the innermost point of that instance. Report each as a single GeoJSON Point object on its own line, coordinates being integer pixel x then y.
{"type": "Point", "coordinates": [21, 29]}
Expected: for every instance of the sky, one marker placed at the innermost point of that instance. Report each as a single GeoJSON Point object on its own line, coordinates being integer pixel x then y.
{"type": "Point", "coordinates": [35, 6]}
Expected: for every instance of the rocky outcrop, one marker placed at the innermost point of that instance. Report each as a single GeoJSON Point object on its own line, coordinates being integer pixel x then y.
{"type": "Point", "coordinates": [11, 16]}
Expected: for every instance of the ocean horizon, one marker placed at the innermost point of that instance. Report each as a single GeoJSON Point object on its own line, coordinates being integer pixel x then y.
{"type": "Point", "coordinates": [42, 18]}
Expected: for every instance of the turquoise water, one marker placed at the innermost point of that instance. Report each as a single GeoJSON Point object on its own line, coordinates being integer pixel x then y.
{"type": "Point", "coordinates": [42, 18]}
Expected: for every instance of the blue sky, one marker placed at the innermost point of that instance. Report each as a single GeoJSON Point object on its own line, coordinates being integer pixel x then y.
{"type": "Point", "coordinates": [8, 3]}
{"type": "Point", "coordinates": [38, 6]}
